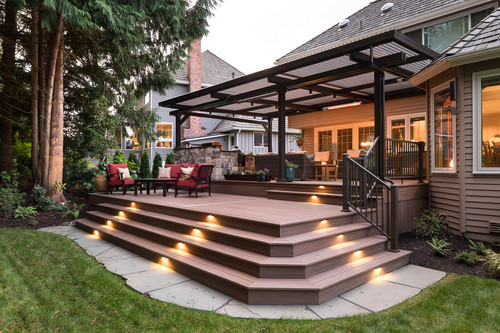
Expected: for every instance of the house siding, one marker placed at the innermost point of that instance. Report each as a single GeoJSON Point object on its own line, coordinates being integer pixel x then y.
{"type": "Point", "coordinates": [245, 143]}
{"type": "Point", "coordinates": [444, 188]}
{"type": "Point", "coordinates": [482, 192]}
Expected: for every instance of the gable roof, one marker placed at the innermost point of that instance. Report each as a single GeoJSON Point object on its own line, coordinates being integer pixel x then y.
{"type": "Point", "coordinates": [485, 35]}
{"type": "Point", "coordinates": [369, 21]}
{"type": "Point", "coordinates": [214, 70]}
{"type": "Point", "coordinates": [231, 125]}
{"type": "Point", "coordinates": [480, 43]}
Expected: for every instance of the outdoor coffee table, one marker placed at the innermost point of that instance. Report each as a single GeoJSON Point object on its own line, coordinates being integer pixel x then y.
{"type": "Point", "coordinates": [166, 182]}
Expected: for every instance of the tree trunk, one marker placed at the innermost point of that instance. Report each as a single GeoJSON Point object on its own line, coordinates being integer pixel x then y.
{"type": "Point", "coordinates": [51, 73]}
{"type": "Point", "coordinates": [7, 70]}
{"type": "Point", "coordinates": [34, 94]}
{"type": "Point", "coordinates": [42, 69]}
{"type": "Point", "coordinates": [56, 128]}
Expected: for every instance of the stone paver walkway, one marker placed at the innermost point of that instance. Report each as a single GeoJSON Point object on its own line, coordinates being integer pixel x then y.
{"type": "Point", "coordinates": [168, 286]}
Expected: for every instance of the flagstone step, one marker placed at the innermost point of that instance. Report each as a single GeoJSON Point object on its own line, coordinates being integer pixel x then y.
{"type": "Point", "coordinates": [247, 288]}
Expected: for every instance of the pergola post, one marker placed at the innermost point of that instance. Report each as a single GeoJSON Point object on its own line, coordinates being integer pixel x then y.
{"type": "Point", "coordinates": [379, 110]}
{"type": "Point", "coordinates": [281, 132]}
{"type": "Point", "coordinates": [270, 135]}
{"type": "Point", "coordinates": [177, 131]}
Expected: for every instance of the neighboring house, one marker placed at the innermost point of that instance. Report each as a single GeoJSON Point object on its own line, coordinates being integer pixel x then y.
{"type": "Point", "coordinates": [202, 69]}
{"type": "Point", "coordinates": [463, 159]}
{"type": "Point", "coordinates": [247, 137]}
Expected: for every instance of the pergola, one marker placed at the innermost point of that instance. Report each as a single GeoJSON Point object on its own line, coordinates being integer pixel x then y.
{"type": "Point", "coordinates": [371, 70]}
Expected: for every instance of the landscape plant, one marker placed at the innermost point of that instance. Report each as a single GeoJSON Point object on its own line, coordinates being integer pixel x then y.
{"type": "Point", "coordinates": [439, 246]}
{"type": "Point", "coordinates": [10, 196]}
{"type": "Point", "coordinates": [469, 258]}
{"type": "Point", "coordinates": [119, 158]}
{"type": "Point", "coordinates": [492, 260]}
{"type": "Point", "coordinates": [73, 210]}
{"type": "Point", "coordinates": [157, 164]}
{"type": "Point", "coordinates": [132, 164]}
{"type": "Point", "coordinates": [144, 169]}
{"type": "Point", "coordinates": [24, 212]}
{"type": "Point", "coordinates": [478, 247]}
{"type": "Point", "coordinates": [431, 224]}
{"type": "Point", "coordinates": [170, 159]}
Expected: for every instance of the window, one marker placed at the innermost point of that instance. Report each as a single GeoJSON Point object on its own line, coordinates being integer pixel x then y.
{"type": "Point", "coordinates": [410, 127]}
{"type": "Point", "coordinates": [260, 139]}
{"type": "Point", "coordinates": [366, 136]}
{"type": "Point", "coordinates": [147, 98]}
{"type": "Point", "coordinates": [344, 141]}
{"type": "Point", "coordinates": [325, 141]}
{"type": "Point", "coordinates": [443, 130]}
{"type": "Point", "coordinates": [440, 36]}
{"type": "Point", "coordinates": [486, 118]}
{"type": "Point", "coordinates": [118, 138]}
{"type": "Point", "coordinates": [164, 139]}
{"type": "Point", "coordinates": [131, 142]}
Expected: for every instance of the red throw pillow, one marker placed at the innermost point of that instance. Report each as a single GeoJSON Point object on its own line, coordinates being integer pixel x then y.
{"type": "Point", "coordinates": [113, 171]}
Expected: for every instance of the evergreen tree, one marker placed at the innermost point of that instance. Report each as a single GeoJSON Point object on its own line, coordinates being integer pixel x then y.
{"type": "Point", "coordinates": [144, 169]}
{"type": "Point", "coordinates": [157, 163]}
{"type": "Point", "coordinates": [170, 158]}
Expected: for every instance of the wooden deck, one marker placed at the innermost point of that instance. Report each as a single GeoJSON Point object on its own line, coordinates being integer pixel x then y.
{"type": "Point", "coordinates": [258, 250]}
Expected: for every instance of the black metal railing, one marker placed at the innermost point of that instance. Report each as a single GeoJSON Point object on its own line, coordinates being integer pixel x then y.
{"type": "Point", "coordinates": [371, 198]}
{"type": "Point", "coordinates": [404, 159]}
{"type": "Point", "coordinates": [370, 158]}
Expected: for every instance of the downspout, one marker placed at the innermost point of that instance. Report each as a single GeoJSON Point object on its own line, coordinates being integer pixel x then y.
{"type": "Point", "coordinates": [238, 139]}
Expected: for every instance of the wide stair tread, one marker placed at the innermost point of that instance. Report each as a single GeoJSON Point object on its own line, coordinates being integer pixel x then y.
{"type": "Point", "coordinates": [185, 262]}
{"type": "Point", "coordinates": [323, 194]}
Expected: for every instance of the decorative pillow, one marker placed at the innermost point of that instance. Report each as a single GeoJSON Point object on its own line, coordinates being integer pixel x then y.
{"type": "Point", "coordinates": [164, 173]}
{"type": "Point", "coordinates": [186, 173]}
{"type": "Point", "coordinates": [125, 173]}
{"type": "Point", "coordinates": [311, 157]}
{"type": "Point", "coordinates": [323, 156]}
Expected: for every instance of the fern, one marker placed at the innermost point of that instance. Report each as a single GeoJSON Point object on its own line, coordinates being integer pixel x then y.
{"type": "Point", "coordinates": [439, 246]}
{"type": "Point", "coordinates": [469, 258]}
{"type": "Point", "coordinates": [478, 247]}
{"type": "Point", "coordinates": [24, 212]}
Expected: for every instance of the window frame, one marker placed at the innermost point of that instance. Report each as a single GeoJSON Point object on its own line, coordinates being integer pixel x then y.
{"type": "Point", "coordinates": [171, 140]}
{"type": "Point", "coordinates": [407, 118]}
{"type": "Point", "coordinates": [263, 136]}
{"type": "Point", "coordinates": [477, 107]}
{"type": "Point", "coordinates": [434, 169]}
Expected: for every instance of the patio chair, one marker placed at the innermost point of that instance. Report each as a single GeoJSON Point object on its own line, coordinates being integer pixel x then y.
{"type": "Point", "coordinates": [199, 180]}
{"type": "Point", "coordinates": [115, 179]}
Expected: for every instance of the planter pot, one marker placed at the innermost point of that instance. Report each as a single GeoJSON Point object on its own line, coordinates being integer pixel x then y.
{"type": "Point", "coordinates": [101, 184]}
{"type": "Point", "coordinates": [290, 174]}
{"type": "Point", "coordinates": [299, 142]}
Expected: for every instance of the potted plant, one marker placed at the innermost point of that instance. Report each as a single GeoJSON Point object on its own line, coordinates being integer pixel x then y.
{"type": "Point", "coordinates": [100, 181]}
{"type": "Point", "coordinates": [290, 170]}
{"type": "Point", "coordinates": [299, 139]}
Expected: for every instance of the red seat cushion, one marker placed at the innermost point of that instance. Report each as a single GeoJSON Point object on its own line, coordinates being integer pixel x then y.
{"type": "Point", "coordinates": [189, 183]}
{"type": "Point", "coordinates": [119, 182]}
{"type": "Point", "coordinates": [113, 172]}
{"type": "Point", "coordinates": [174, 169]}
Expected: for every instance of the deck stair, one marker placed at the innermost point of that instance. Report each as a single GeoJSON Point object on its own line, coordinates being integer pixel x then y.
{"type": "Point", "coordinates": [324, 194]}
{"type": "Point", "coordinates": [255, 261]}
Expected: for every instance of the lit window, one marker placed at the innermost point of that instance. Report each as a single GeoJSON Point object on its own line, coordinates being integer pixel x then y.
{"type": "Point", "coordinates": [164, 140]}
{"type": "Point", "coordinates": [486, 118]}
{"type": "Point", "coordinates": [325, 141]}
{"type": "Point", "coordinates": [443, 125]}
{"type": "Point", "coordinates": [344, 141]}
{"type": "Point", "coordinates": [410, 127]}
{"type": "Point", "coordinates": [131, 141]}
{"type": "Point", "coordinates": [366, 136]}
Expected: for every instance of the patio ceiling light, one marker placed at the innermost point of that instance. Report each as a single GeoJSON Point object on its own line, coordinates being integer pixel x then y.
{"type": "Point", "coordinates": [328, 108]}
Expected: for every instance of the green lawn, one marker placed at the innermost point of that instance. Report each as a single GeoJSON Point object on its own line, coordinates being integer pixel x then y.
{"type": "Point", "coordinates": [48, 283]}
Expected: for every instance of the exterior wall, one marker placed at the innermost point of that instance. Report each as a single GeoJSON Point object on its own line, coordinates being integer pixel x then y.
{"type": "Point", "coordinates": [480, 202]}
{"type": "Point", "coordinates": [220, 159]}
{"type": "Point", "coordinates": [357, 114]}
{"type": "Point", "coordinates": [244, 142]}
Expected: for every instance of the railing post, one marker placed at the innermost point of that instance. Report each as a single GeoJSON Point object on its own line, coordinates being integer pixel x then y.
{"type": "Point", "coordinates": [421, 161]}
{"type": "Point", "coordinates": [346, 188]}
{"type": "Point", "coordinates": [393, 227]}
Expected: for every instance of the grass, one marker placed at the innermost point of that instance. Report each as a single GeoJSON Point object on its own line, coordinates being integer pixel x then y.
{"type": "Point", "coordinates": [48, 283]}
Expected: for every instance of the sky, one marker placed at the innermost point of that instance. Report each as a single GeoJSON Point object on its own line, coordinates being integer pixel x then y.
{"type": "Point", "coordinates": [251, 34]}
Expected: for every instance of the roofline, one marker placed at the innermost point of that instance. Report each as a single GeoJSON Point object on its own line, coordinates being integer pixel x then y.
{"type": "Point", "coordinates": [186, 83]}
{"type": "Point", "coordinates": [396, 26]}
{"type": "Point", "coordinates": [455, 60]}
{"type": "Point", "coordinates": [203, 137]}
{"type": "Point", "coordinates": [384, 37]}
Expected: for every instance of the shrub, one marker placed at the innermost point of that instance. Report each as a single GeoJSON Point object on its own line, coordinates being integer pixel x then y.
{"type": "Point", "coordinates": [79, 173]}
{"type": "Point", "coordinates": [144, 169]}
{"type": "Point", "coordinates": [157, 164]}
{"type": "Point", "coordinates": [469, 258]}
{"type": "Point", "coordinates": [431, 224]}
{"type": "Point", "coordinates": [10, 197]}
{"type": "Point", "coordinates": [478, 247]}
{"type": "Point", "coordinates": [24, 212]}
{"type": "Point", "coordinates": [132, 164]}
{"type": "Point", "coordinates": [170, 158]}
{"type": "Point", "coordinates": [248, 172]}
{"type": "Point", "coordinates": [493, 261]}
{"type": "Point", "coordinates": [119, 158]}
{"type": "Point", "coordinates": [45, 203]}
{"type": "Point", "coordinates": [439, 246]}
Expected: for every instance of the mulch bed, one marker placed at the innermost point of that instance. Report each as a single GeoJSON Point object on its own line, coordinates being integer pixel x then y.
{"type": "Point", "coordinates": [421, 251]}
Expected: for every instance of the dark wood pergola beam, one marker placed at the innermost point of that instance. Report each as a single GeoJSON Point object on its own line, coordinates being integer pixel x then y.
{"type": "Point", "coordinates": [243, 120]}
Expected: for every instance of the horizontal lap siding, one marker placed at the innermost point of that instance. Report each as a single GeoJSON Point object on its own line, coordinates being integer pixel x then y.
{"type": "Point", "coordinates": [482, 192]}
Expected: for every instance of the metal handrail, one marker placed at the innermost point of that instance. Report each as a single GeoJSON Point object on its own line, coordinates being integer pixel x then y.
{"type": "Point", "coordinates": [404, 159]}
{"type": "Point", "coordinates": [367, 195]}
